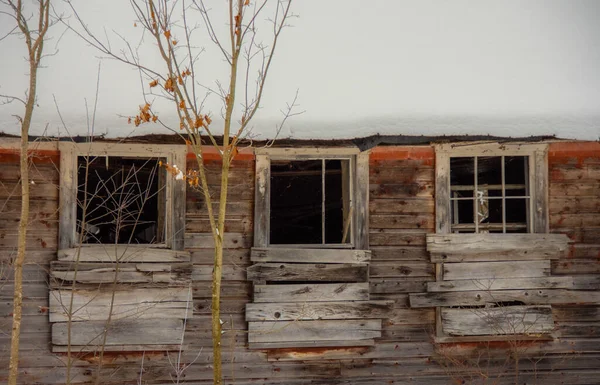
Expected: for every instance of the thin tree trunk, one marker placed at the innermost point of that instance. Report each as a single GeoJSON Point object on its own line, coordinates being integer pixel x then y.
{"type": "Point", "coordinates": [23, 223]}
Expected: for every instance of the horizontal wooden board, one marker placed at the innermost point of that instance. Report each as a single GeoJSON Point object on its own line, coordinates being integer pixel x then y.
{"type": "Point", "coordinates": [144, 303]}
{"type": "Point", "coordinates": [402, 206]}
{"type": "Point", "coordinates": [398, 285]}
{"type": "Point", "coordinates": [90, 273]}
{"type": "Point", "coordinates": [396, 237]}
{"type": "Point", "coordinates": [120, 332]}
{"type": "Point", "coordinates": [341, 310]}
{"type": "Point", "coordinates": [206, 241]}
{"type": "Point", "coordinates": [496, 270]}
{"type": "Point", "coordinates": [229, 272]}
{"type": "Point", "coordinates": [276, 254]}
{"type": "Point", "coordinates": [480, 298]}
{"type": "Point", "coordinates": [473, 244]}
{"type": "Point", "coordinates": [293, 272]}
{"type": "Point", "coordinates": [399, 253]}
{"type": "Point", "coordinates": [498, 320]}
{"type": "Point", "coordinates": [401, 269]}
{"type": "Point", "coordinates": [323, 331]}
{"type": "Point", "coordinates": [311, 344]}
{"type": "Point", "coordinates": [122, 253]}
{"type": "Point", "coordinates": [402, 221]}
{"type": "Point", "coordinates": [501, 284]}
{"type": "Point", "coordinates": [312, 292]}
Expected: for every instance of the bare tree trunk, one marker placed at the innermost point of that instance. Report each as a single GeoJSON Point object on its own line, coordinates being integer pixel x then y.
{"type": "Point", "coordinates": [34, 48]}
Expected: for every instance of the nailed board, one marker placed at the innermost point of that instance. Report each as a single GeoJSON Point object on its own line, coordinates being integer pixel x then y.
{"type": "Point", "coordinates": [294, 272]}
{"type": "Point", "coordinates": [298, 331]}
{"type": "Point", "coordinates": [309, 255]}
{"type": "Point", "coordinates": [496, 270]}
{"type": "Point", "coordinates": [314, 292]}
{"type": "Point", "coordinates": [317, 310]}
{"type": "Point", "coordinates": [498, 320]}
{"type": "Point", "coordinates": [122, 253]}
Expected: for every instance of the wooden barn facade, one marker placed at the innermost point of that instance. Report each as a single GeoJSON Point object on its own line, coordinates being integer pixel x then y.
{"type": "Point", "coordinates": [432, 263]}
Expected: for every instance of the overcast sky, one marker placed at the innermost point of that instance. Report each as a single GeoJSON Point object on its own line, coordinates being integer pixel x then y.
{"type": "Point", "coordinates": [509, 68]}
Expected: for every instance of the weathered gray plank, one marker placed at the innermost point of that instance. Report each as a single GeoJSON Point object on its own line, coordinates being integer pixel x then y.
{"type": "Point", "coordinates": [506, 255]}
{"type": "Point", "coordinates": [206, 241]}
{"type": "Point", "coordinates": [478, 270]}
{"type": "Point", "coordinates": [122, 253]}
{"type": "Point", "coordinates": [501, 284]}
{"type": "Point", "coordinates": [276, 254]}
{"type": "Point", "coordinates": [287, 311]}
{"type": "Point", "coordinates": [480, 298]}
{"type": "Point", "coordinates": [118, 348]}
{"type": "Point", "coordinates": [540, 192]}
{"type": "Point", "coordinates": [312, 292]}
{"type": "Point", "coordinates": [90, 273]}
{"type": "Point", "coordinates": [330, 330]}
{"type": "Point", "coordinates": [498, 320]}
{"type": "Point", "coordinates": [361, 201]}
{"type": "Point", "coordinates": [261, 198]}
{"type": "Point", "coordinates": [442, 192]}
{"type": "Point", "coordinates": [120, 332]}
{"type": "Point", "coordinates": [311, 344]}
{"type": "Point", "coordinates": [135, 303]}
{"type": "Point", "coordinates": [287, 272]}
{"type": "Point", "coordinates": [469, 244]}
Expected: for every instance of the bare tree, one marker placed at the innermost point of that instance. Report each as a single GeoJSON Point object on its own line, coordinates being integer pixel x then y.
{"type": "Point", "coordinates": [172, 27]}
{"type": "Point", "coordinates": [34, 36]}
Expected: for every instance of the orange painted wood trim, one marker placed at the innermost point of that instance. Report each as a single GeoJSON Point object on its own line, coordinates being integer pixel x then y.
{"type": "Point", "coordinates": [402, 152]}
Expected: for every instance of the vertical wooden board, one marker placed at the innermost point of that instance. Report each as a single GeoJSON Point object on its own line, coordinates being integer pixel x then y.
{"type": "Point", "coordinates": [68, 209]}
{"type": "Point", "coordinates": [442, 192]}
{"type": "Point", "coordinates": [261, 201]}
{"type": "Point", "coordinates": [178, 203]}
{"type": "Point", "coordinates": [540, 205]}
{"type": "Point", "coordinates": [361, 191]}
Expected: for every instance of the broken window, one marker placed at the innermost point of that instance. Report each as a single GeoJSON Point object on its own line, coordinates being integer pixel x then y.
{"type": "Point", "coordinates": [490, 194]}
{"type": "Point", "coordinates": [310, 202]}
{"type": "Point", "coordinates": [121, 200]}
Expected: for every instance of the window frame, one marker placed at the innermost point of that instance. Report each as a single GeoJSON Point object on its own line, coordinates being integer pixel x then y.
{"type": "Point", "coordinates": [538, 179]}
{"type": "Point", "coordinates": [175, 192]}
{"type": "Point", "coordinates": [359, 186]}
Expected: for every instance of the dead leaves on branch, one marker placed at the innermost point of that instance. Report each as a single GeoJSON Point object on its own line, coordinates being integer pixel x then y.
{"type": "Point", "coordinates": [145, 116]}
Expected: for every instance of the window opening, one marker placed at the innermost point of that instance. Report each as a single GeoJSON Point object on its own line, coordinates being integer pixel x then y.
{"type": "Point", "coordinates": [310, 202]}
{"type": "Point", "coordinates": [490, 194]}
{"type": "Point", "coordinates": [126, 200]}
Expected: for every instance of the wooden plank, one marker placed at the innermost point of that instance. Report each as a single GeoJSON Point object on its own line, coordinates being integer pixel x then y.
{"type": "Point", "coordinates": [206, 241]}
{"type": "Point", "coordinates": [290, 311]}
{"type": "Point", "coordinates": [469, 244]}
{"type": "Point", "coordinates": [401, 269]}
{"type": "Point", "coordinates": [122, 253]}
{"type": "Point", "coordinates": [118, 348]}
{"type": "Point", "coordinates": [498, 320]}
{"type": "Point", "coordinates": [312, 292]}
{"type": "Point", "coordinates": [442, 192]}
{"type": "Point", "coordinates": [141, 303]}
{"type": "Point", "coordinates": [276, 254]}
{"type": "Point", "coordinates": [288, 272]}
{"type": "Point", "coordinates": [540, 192]}
{"type": "Point", "coordinates": [311, 344]}
{"type": "Point", "coordinates": [68, 195]}
{"type": "Point", "coordinates": [497, 270]}
{"type": "Point", "coordinates": [261, 201]}
{"type": "Point", "coordinates": [120, 332]}
{"type": "Point", "coordinates": [322, 331]}
{"type": "Point", "coordinates": [480, 298]}
{"type": "Point", "coordinates": [501, 284]}
{"type": "Point", "coordinates": [361, 202]}
{"type": "Point", "coordinates": [176, 213]}
{"type": "Point", "coordinates": [403, 206]}
{"type": "Point", "coordinates": [518, 255]}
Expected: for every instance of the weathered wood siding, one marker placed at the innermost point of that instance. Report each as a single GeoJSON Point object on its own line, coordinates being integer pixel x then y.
{"type": "Point", "coordinates": [401, 214]}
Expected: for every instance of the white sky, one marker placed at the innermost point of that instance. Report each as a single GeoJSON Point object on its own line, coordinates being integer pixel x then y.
{"type": "Point", "coordinates": [420, 67]}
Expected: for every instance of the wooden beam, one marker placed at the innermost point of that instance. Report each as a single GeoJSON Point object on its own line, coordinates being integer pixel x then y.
{"type": "Point", "coordinates": [498, 320]}
{"type": "Point", "coordinates": [442, 192]}
{"type": "Point", "coordinates": [311, 292]}
{"type": "Point", "coordinates": [122, 253]}
{"type": "Point", "coordinates": [276, 254]}
{"type": "Point", "coordinates": [501, 284]}
{"type": "Point", "coordinates": [473, 244]}
{"type": "Point", "coordinates": [289, 272]}
{"type": "Point", "coordinates": [481, 298]}
{"type": "Point", "coordinates": [361, 202]}
{"type": "Point", "coordinates": [318, 310]}
{"type": "Point", "coordinates": [322, 331]}
{"type": "Point", "coordinates": [261, 201]}
{"type": "Point", "coordinates": [496, 270]}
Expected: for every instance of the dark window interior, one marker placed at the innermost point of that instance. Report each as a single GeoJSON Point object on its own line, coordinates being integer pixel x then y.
{"type": "Point", "coordinates": [309, 201]}
{"type": "Point", "coordinates": [124, 200]}
{"type": "Point", "coordinates": [489, 194]}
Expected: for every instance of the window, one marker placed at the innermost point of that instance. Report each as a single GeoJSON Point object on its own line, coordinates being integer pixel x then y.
{"type": "Point", "coordinates": [490, 194]}
{"type": "Point", "coordinates": [118, 194]}
{"type": "Point", "coordinates": [311, 198]}
{"type": "Point", "coordinates": [491, 188]}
